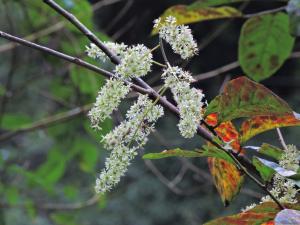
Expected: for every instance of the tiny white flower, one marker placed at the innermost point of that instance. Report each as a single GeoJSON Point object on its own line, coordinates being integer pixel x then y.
{"type": "Point", "coordinates": [125, 139]}
{"type": "Point", "coordinates": [136, 62]}
{"type": "Point", "coordinates": [108, 99]}
{"type": "Point", "coordinates": [249, 207]}
{"type": "Point", "coordinates": [284, 189]}
{"type": "Point", "coordinates": [289, 160]}
{"type": "Point", "coordinates": [157, 22]}
{"type": "Point", "coordinates": [178, 36]}
{"type": "Point", "coordinates": [189, 100]}
{"type": "Point", "coordinates": [94, 52]}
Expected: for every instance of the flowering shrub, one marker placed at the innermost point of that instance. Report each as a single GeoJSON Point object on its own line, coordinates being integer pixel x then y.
{"type": "Point", "coordinates": [132, 134]}
{"type": "Point", "coordinates": [261, 54]}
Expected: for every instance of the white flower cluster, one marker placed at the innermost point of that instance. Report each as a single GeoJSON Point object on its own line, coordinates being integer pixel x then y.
{"type": "Point", "coordinates": [189, 100]}
{"type": "Point", "coordinates": [178, 36]}
{"type": "Point", "coordinates": [290, 159]}
{"type": "Point", "coordinates": [284, 189]}
{"type": "Point", "coordinates": [108, 99]}
{"type": "Point", "coordinates": [96, 53]}
{"type": "Point", "coordinates": [125, 139]}
{"type": "Point", "coordinates": [136, 60]}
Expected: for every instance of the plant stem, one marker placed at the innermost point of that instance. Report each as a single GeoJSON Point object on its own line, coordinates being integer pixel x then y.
{"type": "Point", "coordinates": [159, 64]}
{"type": "Point", "coordinates": [156, 47]}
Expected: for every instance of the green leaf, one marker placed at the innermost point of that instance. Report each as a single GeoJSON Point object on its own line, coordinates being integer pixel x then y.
{"type": "Point", "coordinates": [265, 172]}
{"type": "Point", "coordinates": [12, 195]}
{"type": "Point", "coordinates": [212, 151]}
{"type": "Point", "coordinates": [71, 191]}
{"type": "Point", "coordinates": [14, 121]}
{"type": "Point", "coordinates": [265, 43]}
{"type": "Point", "coordinates": [287, 216]}
{"type": "Point", "coordinates": [88, 154]}
{"type": "Point", "coordinates": [172, 153]}
{"type": "Point", "coordinates": [271, 151]}
{"type": "Point", "coordinates": [185, 14]}
{"type": "Point", "coordinates": [86, 81]}
{"type": "Point", "coordinates": [30, 208]}
{"type": "Point", "coordinates": [209, 151]}
{"type": "Point", "coordinates": [61, 218]}
{"type": "Point", "coordinates": [242, 97]}
{"type": "Point", "coordinates": [53, 169]}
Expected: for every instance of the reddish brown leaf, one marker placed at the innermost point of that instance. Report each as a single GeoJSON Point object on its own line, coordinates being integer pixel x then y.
{"type": "Point", "coordinates": [259, 124]}
{"type": "Point", "coordinates": [261, 214]}
{"type": "Point", "coordinates": [227, 178]}
{"type": "Point", "coordinates": [269, 223]}
{"type": "Point", "coordinates": [245, 98]}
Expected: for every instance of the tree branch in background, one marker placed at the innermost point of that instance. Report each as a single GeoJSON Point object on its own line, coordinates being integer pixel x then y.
{"type": "Point", "coordinates": [44, 123]}
{"type": "Point", "coordinates": [228, 67]}
{"type": "Point", "coordinates": [247, 16]}
{"type": "Point", "coordinates": [53, 28]}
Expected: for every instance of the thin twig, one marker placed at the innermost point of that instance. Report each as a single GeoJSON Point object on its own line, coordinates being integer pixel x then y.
{"type": "Point", "coordinates": [264, 12]}
{"type": "Point", "coordinates": [124, 28]}
{"type": "Point", "coordinates": [59, 206]}
{"type": "Point", "coordinates": [159, 64]}
{"type": "Point", "coordinates": [11, 72]}
{"type": "Point", "coordinates": [212, 36]}
{"type": "Point", "coordinates": [90, 35]}
{"type": "Point", "coordinates": [71, 206]}
{"type": "Point", "coordinates": [281, 139]}
{"type": "Point", "coordinates": [34, 36]}
{"type": "Point", "coordinates": [216, 72]}
{"type": "Point", "coordinates": [53, 28]}
{"type": "Point", "coordinates": [162, 178]}
{"type": "Point", "coordinates": [56, 53]}
{"type": "Point", "coordinates": [154, 48]}
{"type": "Point", "coordinates": [228, 67]}
{"type": "Point", "coordinates": [110, 54]}
{"type": "Point", "coordinates": [46, 122]}
{"type": "Point", "coordinates": [119, 16]}
{"type": "Point", "coordinates": [163, 52]}
{"type": "Point", "coordinates": [68, 58]}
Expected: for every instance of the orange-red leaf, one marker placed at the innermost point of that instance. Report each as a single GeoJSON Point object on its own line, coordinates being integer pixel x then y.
{"type": "Point", "coordinates": [259, 124]}
{"type": "Point", "coordinates": [269, 223]}
{"type": "Point", "coordinates": [261, 214]}
{"type": "Point", "coordinates": [227, 178]}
